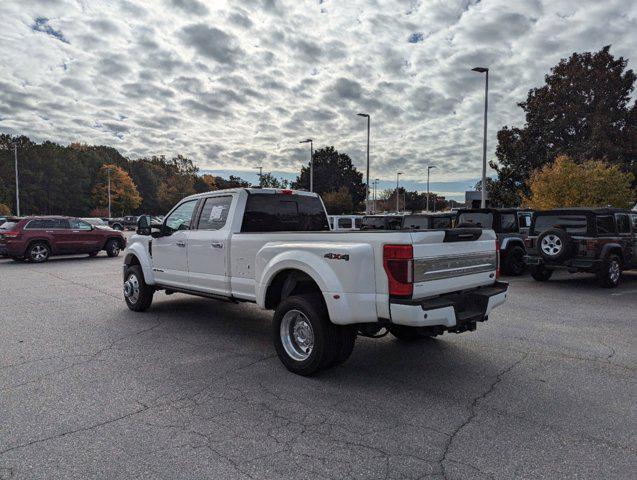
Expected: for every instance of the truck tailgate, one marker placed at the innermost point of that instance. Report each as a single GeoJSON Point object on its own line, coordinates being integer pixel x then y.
{"type": "Point", "coordinates": [446, 263]}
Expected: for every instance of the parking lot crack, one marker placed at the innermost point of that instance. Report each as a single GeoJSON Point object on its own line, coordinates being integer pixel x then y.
{"type": "Point", "coordinates": [77, 430]}
{"type": "Point", "coordinates": [473, 413]}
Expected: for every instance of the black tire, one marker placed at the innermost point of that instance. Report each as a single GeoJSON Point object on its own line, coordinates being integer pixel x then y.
{"type": "Point", "coordinates": [112, 248]}
{"type": "Point", "coordinates": [558, 245]}
{"type": "Point", "coordinates": [610, 274]}
{"type": "Point", "coordinates": [513, 263]}
{"type": "Point", "coordinates": [117, 226]}
{"type": "Point", "coordinates": [345, 341]}
{"type": "Point", "coordinates": [38, 252]}
{"type": "Point", "coordinates": [541, 273]}
{"type": "Point", "coordinates": [142, 301]}
{"type": "Point", "coordinates": [407, 334]}
{"type": "Point", "coordinates": [308, 312]}
{"type": "Point", "coordinates": [18, 259]}
{"type": "Point", "coordinates": [93, 254]}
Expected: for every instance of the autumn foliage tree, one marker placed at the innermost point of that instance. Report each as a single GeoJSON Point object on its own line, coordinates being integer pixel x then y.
{"type": "Point", "coordinates": [124, 195]}
{"type": "Point", "coordinates": [592, 183]}
{"type": "Point", "coordinates": [4, 209]}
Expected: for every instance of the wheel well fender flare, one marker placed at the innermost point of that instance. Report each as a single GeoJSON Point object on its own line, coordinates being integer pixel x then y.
{"type": "Point", "coordinates": [512, 242]}
{"type": "Point", "coordinates": [40, 240]}
{"type": "Point", "coordinates": [286, 261]}
{"type": "Point", "coordinates": [609, 248]}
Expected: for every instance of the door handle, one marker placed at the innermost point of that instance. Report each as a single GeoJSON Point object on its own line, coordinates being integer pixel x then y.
{"type": "Point", "coordinates": [181, 244]}
{"type": "Point", "coordinates": [216, 245]}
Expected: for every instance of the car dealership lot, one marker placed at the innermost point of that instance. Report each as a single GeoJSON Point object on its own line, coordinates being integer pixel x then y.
{"type": "Point", "coordinates": [193, 388]}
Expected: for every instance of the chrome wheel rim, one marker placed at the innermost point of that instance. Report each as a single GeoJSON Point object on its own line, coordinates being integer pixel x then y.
{"type": "Point", "coordinates": [552, 245]}
{"type": "Point", "coordinates": [39, 253]}
{"type": "Point", "coordinates": [614, 271]}
{"type": "Point", "coordinates": [131, 288]}
{"type": "Point", "coordinates": [114, 249]}
{"type": "Point", "coordinates": [297, 335]}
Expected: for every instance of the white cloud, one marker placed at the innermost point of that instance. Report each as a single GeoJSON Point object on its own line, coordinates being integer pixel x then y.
{"type": "Point", "coordinates": [236, 83]}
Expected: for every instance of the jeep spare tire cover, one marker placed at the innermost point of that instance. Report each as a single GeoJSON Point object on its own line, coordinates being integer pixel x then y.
{"type": "Point", "coordinates": [554, 245]}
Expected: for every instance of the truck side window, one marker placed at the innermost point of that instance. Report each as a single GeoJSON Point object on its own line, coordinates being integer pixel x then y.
{"type": "Point", "coordinates": [214, 213]}
{"type": "Point", "coordinates": [442, 222]}
{"type": "Point", "coordinates": [605, 225]}
{"type": "Point", "coordinates": [509, 222]}
{"type": "Point", "coordinates": [623, 225]}
{"type": "Point", "coordinates": [181, 217]}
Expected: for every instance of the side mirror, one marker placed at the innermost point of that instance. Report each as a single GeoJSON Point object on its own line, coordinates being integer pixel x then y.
{"type": "Point", "coordinates": [143, 225]}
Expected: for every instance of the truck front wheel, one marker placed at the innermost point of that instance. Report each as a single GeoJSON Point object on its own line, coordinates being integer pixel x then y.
{"type": "Point", "coordinates": [137, 294]}
{"type": "Point", "coordinates": [305, 339]}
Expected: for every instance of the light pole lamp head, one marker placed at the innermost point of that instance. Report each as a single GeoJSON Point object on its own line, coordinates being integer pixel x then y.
{"type": "Point", "coordinates": [363, 115]}
{"type": "Point", "coordinates": [480, 69]}
{"type": "Point", "coordinates": [430, 167]}
{"type": "Point", "coordinates": [306, 141]}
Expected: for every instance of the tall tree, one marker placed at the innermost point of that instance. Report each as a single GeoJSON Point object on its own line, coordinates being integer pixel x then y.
{"type": "Point", "coordinates": [124, 195]}
{"type": "Point", "coordinates": [568, 184]}
{"type": "Point", "coordinates": [339, 202]}
{"type": "Point", "coordinates": [582, 111]}
{"type": "Point", "coordinates": [332, 171]}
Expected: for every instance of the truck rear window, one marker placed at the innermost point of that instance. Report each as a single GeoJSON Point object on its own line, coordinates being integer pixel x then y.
{"type": "Point", "coordinates": [574, 224]}
{"type": "Point", "coordinates": [284, 213]}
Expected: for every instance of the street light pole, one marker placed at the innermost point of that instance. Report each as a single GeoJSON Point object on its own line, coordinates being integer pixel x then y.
{"type": "Point", "coordinates": [375, 187]}
{"type": "Point", "coordinates": [310, 141]}
{"type": "Point", "coordinates": [367, 178]}
{"type": "Point", "coordinates": [17, 186]}
{"type": "Point", "coordinates": [260, 168]}
{"type": "Point", "coordinates": [398, 174]}
{"type": "Point", "coordinates": [428, 170]}
{"type": "Point", "coordinates": [483, 197]}
{"type": "Point", "coordinates": [108, 173]}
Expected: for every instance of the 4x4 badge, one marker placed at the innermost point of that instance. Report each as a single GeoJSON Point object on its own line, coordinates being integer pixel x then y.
{"type": "Point", "coordinates": [337, 256]}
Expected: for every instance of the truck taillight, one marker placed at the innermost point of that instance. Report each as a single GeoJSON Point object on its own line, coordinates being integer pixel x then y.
{"type": "Point", "coordinates": [398, 261]}
{"type": "Point", "coordinates": [497, 259]}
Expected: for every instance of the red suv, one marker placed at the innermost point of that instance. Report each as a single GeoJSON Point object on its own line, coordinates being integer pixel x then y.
{"type": "Point", "coordinates": [37, 238]}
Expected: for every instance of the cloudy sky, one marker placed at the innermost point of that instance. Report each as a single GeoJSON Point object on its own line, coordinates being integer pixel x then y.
{"type": "Point", "coordinates": [235, 84]}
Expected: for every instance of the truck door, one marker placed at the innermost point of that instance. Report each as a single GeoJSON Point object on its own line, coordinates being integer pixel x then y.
{"type": "Point", "coordinates": [208, 247]}
{"type": "Point", "coordinates": [170, 257]}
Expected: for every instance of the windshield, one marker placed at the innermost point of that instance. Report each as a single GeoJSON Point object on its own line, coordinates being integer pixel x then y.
{"type": "Point", "coordinates": [575, 224]}
{"type": "Point", "coordinates": [479, 219]}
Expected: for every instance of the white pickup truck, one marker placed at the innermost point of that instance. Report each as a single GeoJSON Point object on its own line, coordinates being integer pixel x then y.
{"type": "Point", "coordinates": [275, 248]}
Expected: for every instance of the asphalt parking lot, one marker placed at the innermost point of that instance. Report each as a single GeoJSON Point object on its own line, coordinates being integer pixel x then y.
{"type": "Point", "coordinates": [192, 388]}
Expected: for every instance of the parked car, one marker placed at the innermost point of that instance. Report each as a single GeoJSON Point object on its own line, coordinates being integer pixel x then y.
{"type": "Point", "coordinates": [37, 238]}
{"type": "Point", "coordinates": [505, 223]}
{"type": "Point", "coordinates": [345, 222]}
{"type": "Point", "coordinates": [275, 248]}
{"type": "Point", "coordinates": [116, 223]}
{"type": "Point", "coordinates": [602, 241]}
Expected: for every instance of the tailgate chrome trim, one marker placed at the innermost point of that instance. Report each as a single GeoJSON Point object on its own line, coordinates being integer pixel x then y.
{"type": "Point", "coordinates": [436, 268]}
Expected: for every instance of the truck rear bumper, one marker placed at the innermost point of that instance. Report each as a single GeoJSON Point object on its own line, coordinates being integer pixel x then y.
{"type": "Point", "coordinates": [451, 310]}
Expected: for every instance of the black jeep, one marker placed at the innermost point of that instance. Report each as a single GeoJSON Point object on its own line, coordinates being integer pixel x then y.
{"type": "Point", "coordinates": [602, 241]}
{"type": "Point", "coordinates": [509, 225]}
